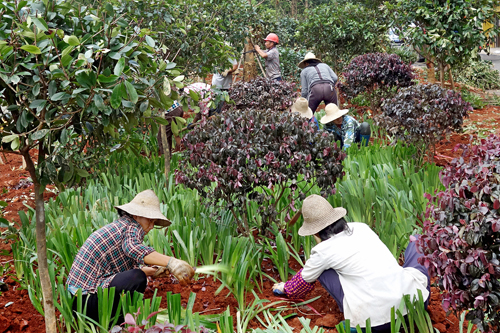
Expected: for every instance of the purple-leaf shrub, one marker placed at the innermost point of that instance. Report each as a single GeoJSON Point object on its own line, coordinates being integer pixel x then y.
{"type": "Point", "coordinates": [377, 75]}
{"type": "Point", "coordinates": [423, 114]}
{"type": "Point", "coordinates": [271, 158]}
{"type": "Point", "coordinates": [461, 236]}
{"type": "Point", "coordinates": [264, 94]}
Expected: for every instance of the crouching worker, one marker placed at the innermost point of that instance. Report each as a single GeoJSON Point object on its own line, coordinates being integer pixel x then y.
{"type": "Point", "coordinates": [111, 256]}
{"type": "Point", "coordinates": [345, 128]}
{"type": "Point", "coordinates": [302, 108]}
{"type": "Point", "coordinates": [355, 267]}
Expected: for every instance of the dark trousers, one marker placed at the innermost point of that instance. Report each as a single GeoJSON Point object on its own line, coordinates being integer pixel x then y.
{"type": "Point", "coordinates": [129, 281]}
{"type": "Point", "coordinates": [177, 112]}
{"type": "Point", "coordinates": [330, 280]}
{"type": "Point", "coordinates": [322, 92]}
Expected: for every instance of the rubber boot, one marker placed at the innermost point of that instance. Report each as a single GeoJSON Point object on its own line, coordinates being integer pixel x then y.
{"type": "Point", "coordinates": [364, 133]}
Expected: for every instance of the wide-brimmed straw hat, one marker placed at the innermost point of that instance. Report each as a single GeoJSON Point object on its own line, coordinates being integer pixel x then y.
{"type": "Point", "coordinates": [146, 204]}
{"type": "Point", "coordinates": [332, 112]}
{"type": "Point", "coordinates": [301, 106]}
{"type": "Point", "coordinates": [309, 56]}
{"type": "Point", "coordinates": [318, 214]}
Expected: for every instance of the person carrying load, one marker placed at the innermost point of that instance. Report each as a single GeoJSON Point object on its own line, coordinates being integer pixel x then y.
{"type": "Point", "coordinates": [318, 81]}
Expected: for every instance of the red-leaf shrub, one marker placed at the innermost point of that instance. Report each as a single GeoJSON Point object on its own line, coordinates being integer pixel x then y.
{"type": "Point", "coordinates": [264, 94]}
{"type": "Point", "coordinates": [255, 155]}
{"type": "Point", "coordinates": [377, 75]}
{"type": "Point", "coordinates": [423, 114]}
{"type": "Point", "coordinates": [461, 237]}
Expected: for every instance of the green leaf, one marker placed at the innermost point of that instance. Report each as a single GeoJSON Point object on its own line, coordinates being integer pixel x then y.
{"type": "Point", "coordinates": [82, 173]}
{"type": "Point", "coordinates": [38, 104]}
{"type": "Point", "coordinates": [36, 89]}
{"type": "Point", "coordinates": [72, 40]}
{"type": "Point", "coordinates": [161, 120]}
{"type": "Point", "coordinates": [39, 134]}
{"type": "Point", "coordinates": [52, 88]}
{"type": "Point", "coordinates": [171, 65]}
{"type": "Point", "coordinates": [110, 79]}
{"type": "Point", "coordinates": [144, 105]}
{"type": "Point", "coordinates": [150, 41]}
{"type": "Point", "coordinates": [31, 49]}
{"type": "Point", "coordinates": [9, 138]}
{"type": "Point", "coordinates": [120, 65]}
{"type": "Point", "coordinates": [14, 145]}
{"type": "Point", "coordinates": [116, 96]}
{"type": "Point", "coordinates": [194, 95]}
{"type": "Point", "coordinates": [64, 136]}
{"type": "Point", "coordinates": [60, 96]}
{"type": "Point", "coordinates": [179, 78]}
{"type": "Point", "coordinates": [40, 23]}
{"type": "Point", "coordinates": [132, 93]}
{"type": "Point", "coordinates": [99, 102]}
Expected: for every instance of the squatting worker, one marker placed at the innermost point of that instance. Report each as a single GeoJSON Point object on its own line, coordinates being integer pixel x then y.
{"type": "Point", "coordinates": [346, 129]}
{"type": "Point", "coordinates": [318, 81]}
{"type": "Point", "coordinates": [355, 267]}
{"type": "Point", "coordinates": [272, 56]}
{"type": "Point", "coordinates": [300, 106]}
{"type": "Point", "coordinates": [111, 256]}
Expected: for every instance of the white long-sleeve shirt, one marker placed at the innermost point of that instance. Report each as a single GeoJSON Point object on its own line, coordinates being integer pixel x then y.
{"type": "Point", "coordinates": [372, 280]}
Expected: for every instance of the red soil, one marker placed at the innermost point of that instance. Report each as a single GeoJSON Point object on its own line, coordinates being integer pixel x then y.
{"type": "Point", "coordinates": [22, 316]}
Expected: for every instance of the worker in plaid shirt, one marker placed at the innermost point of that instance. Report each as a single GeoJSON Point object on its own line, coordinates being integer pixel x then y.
{"type": "Point", "coordinates": [112, 255]}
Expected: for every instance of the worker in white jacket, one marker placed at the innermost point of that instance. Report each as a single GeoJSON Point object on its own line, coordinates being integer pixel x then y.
{"type": "Point", "coordinates": [355, 267]}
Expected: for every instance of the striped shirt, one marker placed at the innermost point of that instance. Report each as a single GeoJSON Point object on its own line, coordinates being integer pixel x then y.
{"type": "Point", "coordinates": [113, 249]}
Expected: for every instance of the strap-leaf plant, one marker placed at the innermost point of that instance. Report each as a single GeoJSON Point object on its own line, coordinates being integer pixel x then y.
{"type": "Point", "coordinates": [270, 158]}
{"type": "Point", "coordinates": [72, 77]}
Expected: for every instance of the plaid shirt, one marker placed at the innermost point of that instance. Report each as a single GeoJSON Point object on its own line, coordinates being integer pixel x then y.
{"type": "Point", "coordinates": [346, 132]}
{"type": "Point", "coordinates": [296, 287]}
{"type": "Point", "coordinates": [113, 249]}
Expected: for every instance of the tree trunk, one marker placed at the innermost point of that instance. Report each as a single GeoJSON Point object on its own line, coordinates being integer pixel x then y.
{"type": "Point", "coordinates": [451, 78]}
{"type": "Point", "coordinates": [294, 9]}
{"type": "Point", "coordinates": [249, 68]}
{"type": "Point", "coordinates": [431, 72]}
{"type": "Point", "coordinates": [441, 74]}
{"type": "Point", "coordinates": [166, 150]}
{"type": "Point", "coordinates": [41, 246]}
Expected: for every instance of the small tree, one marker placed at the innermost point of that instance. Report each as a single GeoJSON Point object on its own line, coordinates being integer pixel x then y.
{"type": "Point", "coordinates": [262, 93]}
{"type": "Point", "coordinates": [339, 31]}
{"type": "Point", "coordinates": [446, 33]}
{"type": "Point", "coordinates": [271, 158]}
{"type": "Point", "coordinates": [377, 75]}
{"type": "Point", "coordinates": [72, 78]}
{"type": "Point", "coordinates": [423, 114]}
{"type": "Point", "coordinates": [461, 235]}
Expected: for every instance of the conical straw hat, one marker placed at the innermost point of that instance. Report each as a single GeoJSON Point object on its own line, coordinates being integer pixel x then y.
{"type": "Point", "coordinates": [301, 106]}
{"type": "Point", "coordinates": [308, 56]}
{"type": "Point", "coordinates": [332, 112]}
{"type": "Point", "coordinates": [318, 214]}
{"type": "Point", "coordinates": [146, 204]}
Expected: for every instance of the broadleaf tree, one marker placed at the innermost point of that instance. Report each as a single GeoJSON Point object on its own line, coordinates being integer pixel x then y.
{"type": "Point", "coordinates": [72, 78]}
{"type": "Point", "coordinates": [446, 32]}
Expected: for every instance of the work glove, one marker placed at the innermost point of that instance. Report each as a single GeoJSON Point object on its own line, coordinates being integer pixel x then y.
{"type": "Point", "coordinates": [179, 268]}
{"type": "Point", "coordinates": [279, 289]}
{"type": "Point", "coordinates": [161, 272]}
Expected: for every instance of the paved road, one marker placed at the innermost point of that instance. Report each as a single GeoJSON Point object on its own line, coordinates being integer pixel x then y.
{"type": "Point", "coordinates": [494, 57]}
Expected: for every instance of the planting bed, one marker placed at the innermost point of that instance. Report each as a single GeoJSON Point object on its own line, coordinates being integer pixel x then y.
{"type": "Point", "coordinates": [22, 316]}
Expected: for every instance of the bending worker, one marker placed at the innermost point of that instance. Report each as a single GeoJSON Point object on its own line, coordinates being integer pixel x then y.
{"type": "Point", "coordinates": [304, 111]}
{"type": "Point", "coordinates": [345, 128]}
{"type": "Point", "coordinates": [318, 81]}
{"type": "Point", "coordinates": [272, 56]}
{"type": "Point", "coordinates": [355, 267]}
{"type": "Point", "coordinates": [111, 256]}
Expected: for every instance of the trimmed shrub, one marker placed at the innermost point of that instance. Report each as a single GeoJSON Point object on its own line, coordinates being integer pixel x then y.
{"type": "Point", "coordinates": [263, 93]}
{"type": "Point", "coordinates": [423, 114]}
{"type": "Point", "coordinates": [244, 156]}
{"type": "Point", "coordinates": [377, 74]}
{"type": "Point", "coordinates": [461, 236]}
